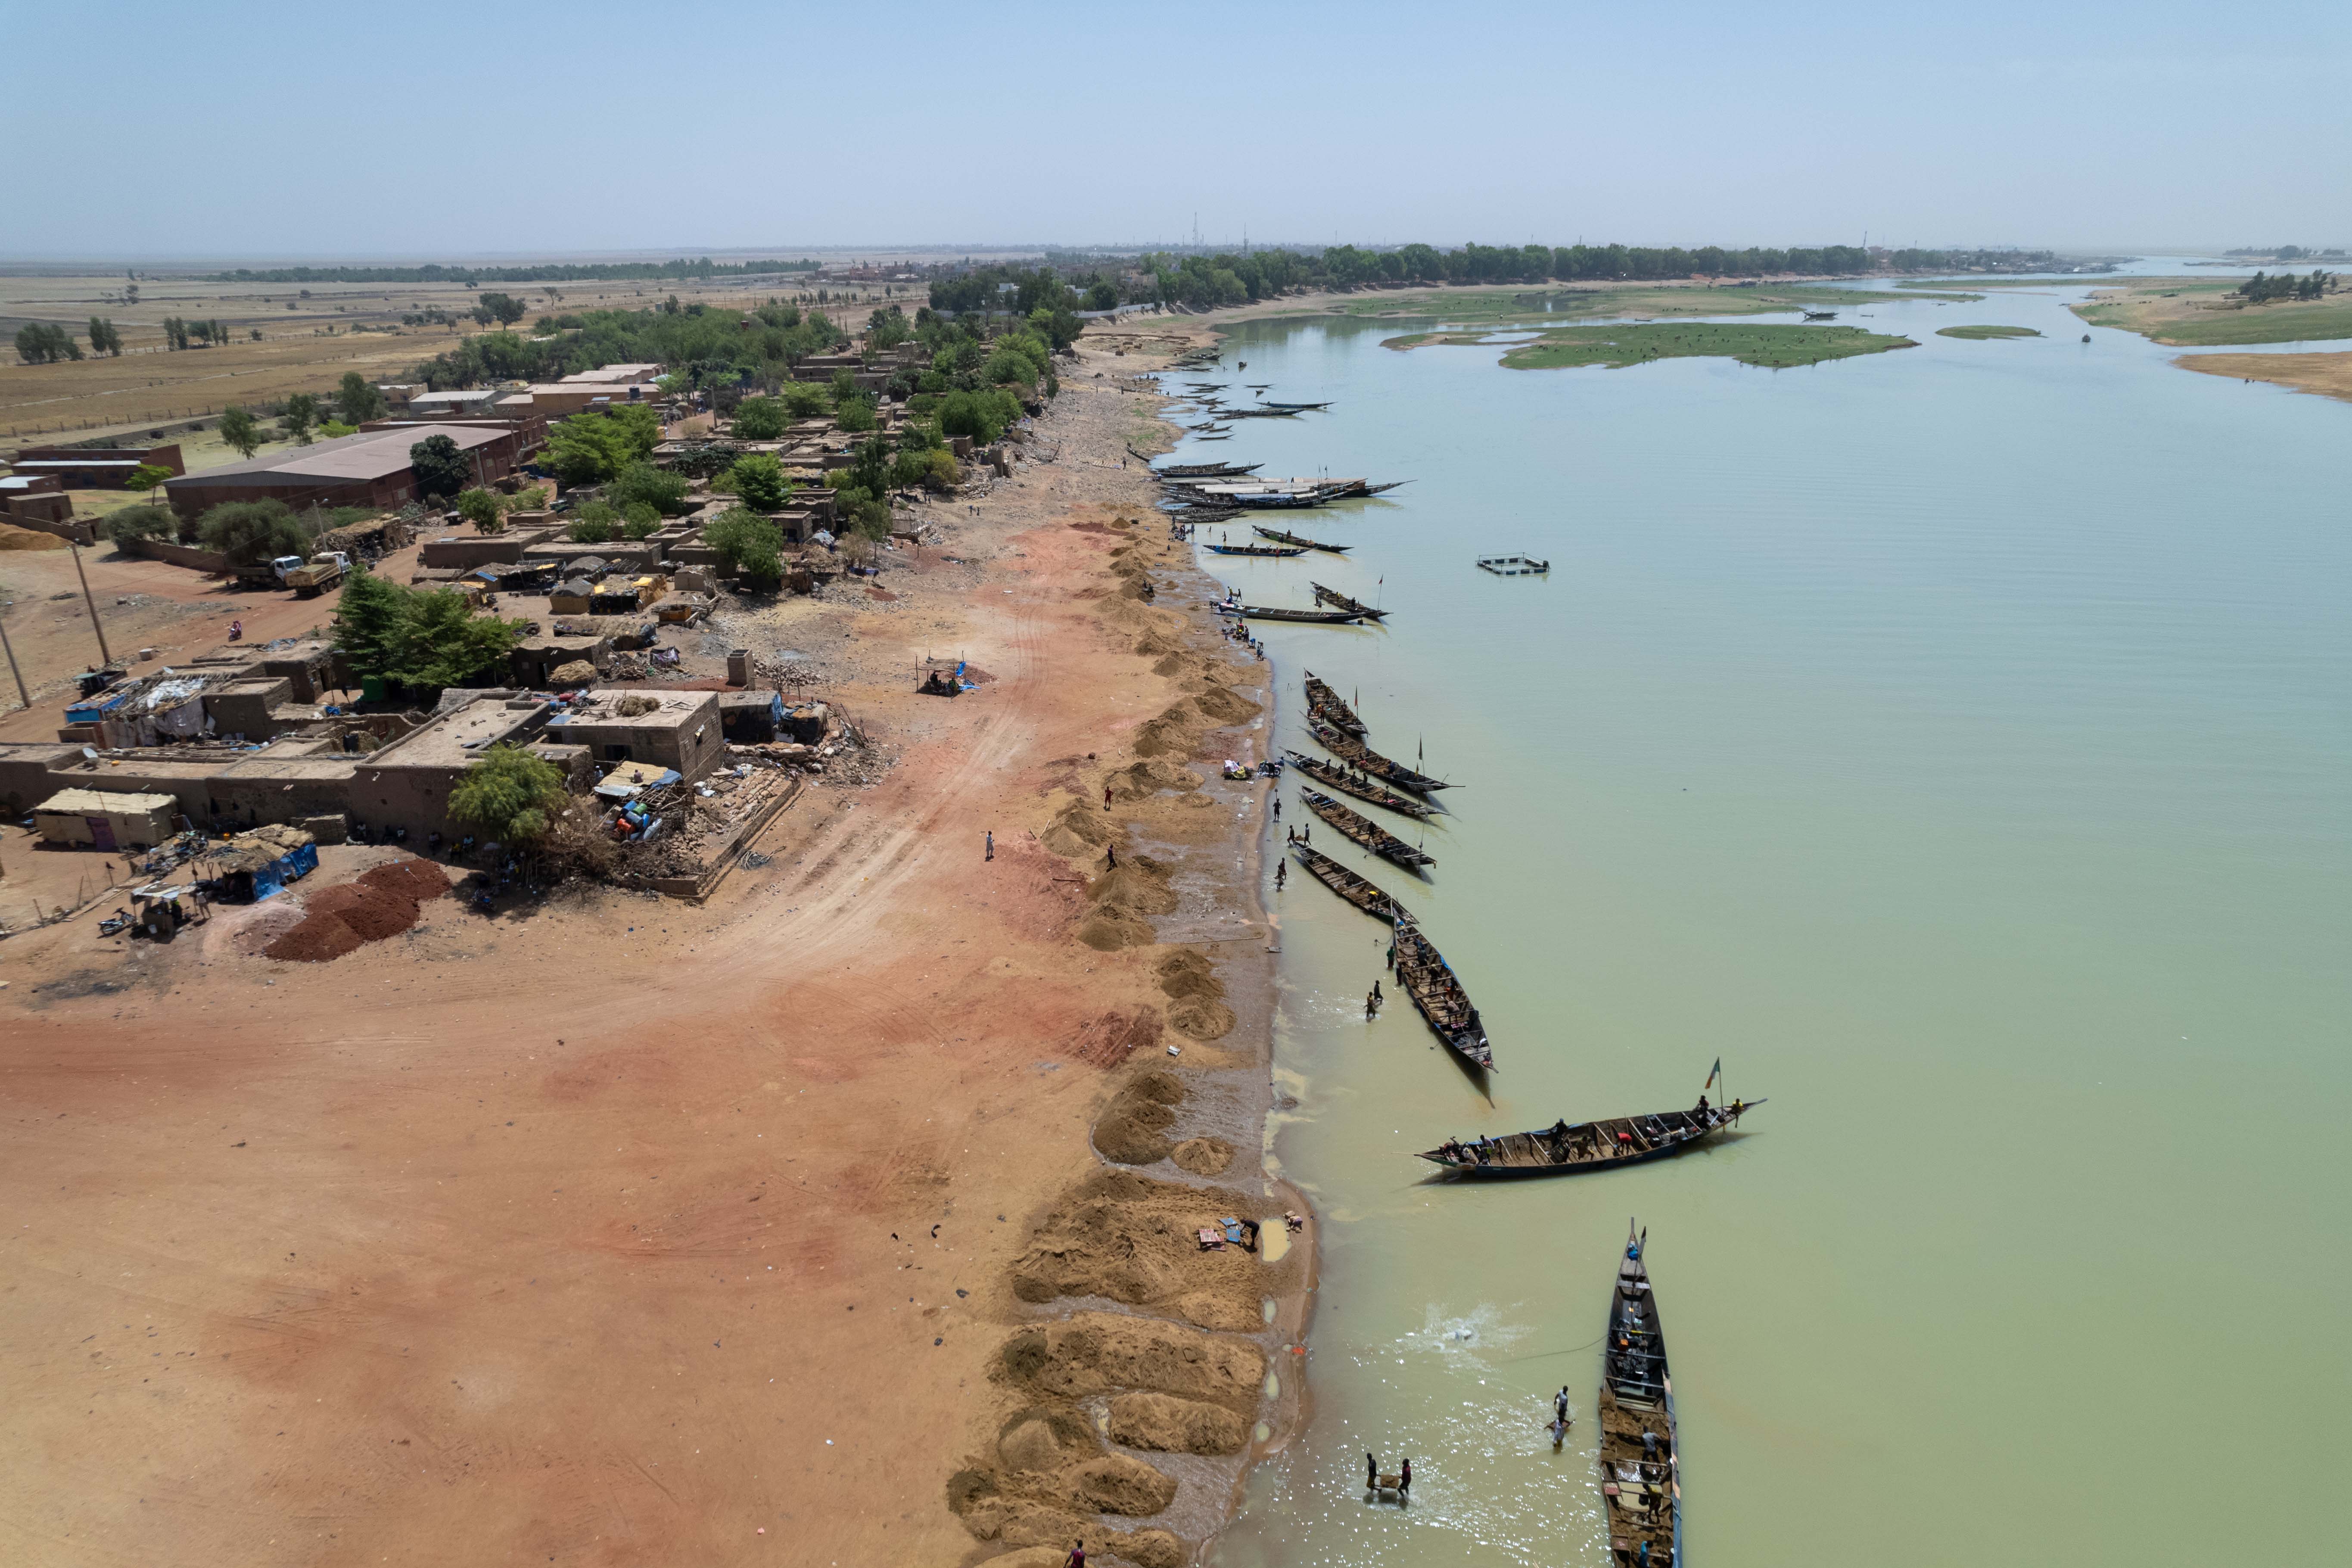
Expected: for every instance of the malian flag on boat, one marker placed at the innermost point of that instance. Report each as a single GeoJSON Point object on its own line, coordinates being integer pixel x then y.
{"type": "Point", "coordinates": [1714, 1073]}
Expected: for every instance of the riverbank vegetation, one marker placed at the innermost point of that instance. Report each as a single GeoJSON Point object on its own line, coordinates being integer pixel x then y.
{"type": "Point", "coordinates": [1986, 330]}
{"type": "Point", "coordinates": [1777, 345]}
{"type": "Point", "coordinates": [703, 346]}
{"type": "Point", "coordinates": [2199, 313]}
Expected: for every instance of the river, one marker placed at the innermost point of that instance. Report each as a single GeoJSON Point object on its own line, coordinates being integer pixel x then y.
{"type": "Point", "coordinates": [1953, 741]}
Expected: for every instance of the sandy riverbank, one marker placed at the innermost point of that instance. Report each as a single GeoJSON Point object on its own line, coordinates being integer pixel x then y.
{"type": "Point", "coordinates": [848, 1217]}
{"type": "Point", "coordinates": [2328, 375]}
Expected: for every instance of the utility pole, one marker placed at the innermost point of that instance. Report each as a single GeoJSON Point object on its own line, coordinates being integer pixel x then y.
{"type": "Point", "coordinates": [105, 657]}
{"type": "Point", "coordinates": [19, 674]}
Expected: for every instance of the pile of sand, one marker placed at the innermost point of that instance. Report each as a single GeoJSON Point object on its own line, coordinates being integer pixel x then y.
{"type": "Point", "coordinates": [1128, 1129]}
{"type": "Point", "coordinates": [1202, 1156]}
{"type": "Point", "coordinates": [1148, 778]}
{"type": "Point", "coordinates": [1134, 1240]}
{"type": "Point", "coordinates": [1226, 706]}
{"type": "Point", "coordinates": [1100, 1353]}
{"type": "Point", "coordinates": [1195, 1009]}
{"type": "Point", "coordinates": [1173, 732]}
{"type": "Point", "coordinates": [15, 538]}
{"type": "Point", "coordinates": [1076, 831]}
{"type": "Point", "coordinates": [1173, 1425]}
{"type": "Point", "coordinates": [384, 902]}
{"type": "Point", "coordinates": [1122, 899]}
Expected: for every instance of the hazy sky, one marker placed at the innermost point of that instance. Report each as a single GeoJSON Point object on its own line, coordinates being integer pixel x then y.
{"type": "Point", "coordinates": [240, 129]}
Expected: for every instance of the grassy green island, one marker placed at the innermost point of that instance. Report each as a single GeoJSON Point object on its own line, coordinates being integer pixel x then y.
{"type": "Point", "coordinates": [1986, 331]}
{"type": "Point", "coordinates": [1772, 345]}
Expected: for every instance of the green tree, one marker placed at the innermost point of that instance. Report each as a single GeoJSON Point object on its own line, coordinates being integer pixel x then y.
{"type": "Point", "coordinates": [592, 524]}
{"type": "Point", "coordinates": [760, 419]}
{"type": "Point", "coordinates": [504, 309]}
{"type": "Point", "coordinates": [417, 637]}
{"type": "Point", "coordinates": [372, 623]}
{"type": "Point", "coordinates": [356, 400]}
{"type": "Point", "coordinates": [301, 412]}
{"type": "Point", "coordinates": [249, 532]}
{"type": "Point", "coordinates": [639, 521]}
{"type": "Point", "coordinates": [590, 449]}
{"type": "Point", "coordinates": [855, 413]}
{"type": "Point", "coordinates": [869, 466]}
{"type": "Point", "coordinates": [335, 429]}
{"type": "Point", "coordinates": [806, 400]}
{"type": "Point", "coordinates": [148, 476]}
{"type": "Point", "coordinates": [45, 342]}
{"type": "Point", "coordinates": [759, 481]}
{"type": "Point", "coordinates": [240, 430]}
{"type": "Point", "coordinates": [509, 794]}
{"type": "Point", "coordinates": [104, 339]}
{"type": "Point", "coordinates": [483, 508]}
{"type": "Point", "coordinates": [440, 468]}
{"type": "Point", "coordinates": [748, 542]}
{"type": "Point", "coordinates": [1103, 296]}
{"type": "Point", "coordinates": [657, 488]}
{"type": "Point", "coordinates": [135, 523]}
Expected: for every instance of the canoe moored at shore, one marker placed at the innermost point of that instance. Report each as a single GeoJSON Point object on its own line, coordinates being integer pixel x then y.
{"type": "Point", "coordinates": [1203, 470]}
{"type": "Point", "coordinates": [1363, 831]}
{"type": "Point", "coordinates": [1560, 1149]}
{"type": "Point", "coordinates": [1337, 600]}
{"type": "Point", "coordinates": [1281, 551]}
{"type": "Point", "coordinates": [1366, 760]}
{"type": "Point", "coordinates": [1438, 995]}
{"type": "Point", "coordinates": [1360, 891]}
{"type": "Point", "coordinates": [1268, 613]}
{"type": "Point", "coordinates": [1330, 775]}
{"type": "Point", "coordinates": [1324, 703]}
{"type": "Point", "coordinates": [1641, 1465]}
{"type": "Point", "coordinates": [1283, 536]}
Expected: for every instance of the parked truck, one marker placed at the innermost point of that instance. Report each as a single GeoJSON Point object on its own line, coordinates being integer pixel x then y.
{"type": "Point", "coordinates": [309, 579]}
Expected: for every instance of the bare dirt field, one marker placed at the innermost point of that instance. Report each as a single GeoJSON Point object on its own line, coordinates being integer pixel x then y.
{"type": "Point", "coordinates": [2329, 375]}
{"type": "Point", "coordinates": [846, 1218]}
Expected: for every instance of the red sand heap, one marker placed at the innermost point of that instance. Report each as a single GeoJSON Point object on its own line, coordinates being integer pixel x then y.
{"type": "Point", "coordinates": [384, 902]}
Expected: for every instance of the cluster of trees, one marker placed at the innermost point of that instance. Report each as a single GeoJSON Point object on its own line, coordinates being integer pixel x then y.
{"type": "Point", "coordinates": [421, 637]}
{"type": "Point", "coordinates": [503, 309]}
{"type": "Point", "coordinates": [710, 348]}
{"type": "Point", "coordinates": [749, 543]}
{"type": "Point", "coordinates": [104, 339]}
{"type": "Point", "coordinates": [2262, 288]}
{"type": "Point", "coordinates": [510, 794]}
{"type": "Point", "coordinates": [433, 272]}
{"type": "Point", "coordinates": [45, 342]}
{"type": "Point", "coordinates": [180, 334]}
{"type": "Point", "coordinates": [592, 448]}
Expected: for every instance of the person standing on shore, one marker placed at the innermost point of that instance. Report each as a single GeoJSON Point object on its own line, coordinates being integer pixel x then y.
{"type": "Point", "coordinates": [992, 844]}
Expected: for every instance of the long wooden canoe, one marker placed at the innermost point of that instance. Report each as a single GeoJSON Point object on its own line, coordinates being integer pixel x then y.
{"type": "Point", "coordinates": [1360, 891]}
{"type": "Point", "coordinates": [1268, 613]}
{"type": "Point", "coordinates": [1430, 981]}
{"type": "Point", "coordinates": [1365, 760]}
{"type": "Point", "coordinates": [1204, 470]}
{"type": "Point", "coordinates": [1365, 831]}
{"type": "Point", "coordinates": [1333, 596]}
{"type": "Point", "coordinates": [1332, 776]}
{"type": "Point", "coordinates": [1560, 1149]}
{"type": "Point", "coordinates": [1283, 536]}
{"type": "Point", "coordinates": [1325, 704]}
{"type": "Point", "coordinates": [1641, 1463]}
{"type": "Point", "coordinates": [1283, 550]}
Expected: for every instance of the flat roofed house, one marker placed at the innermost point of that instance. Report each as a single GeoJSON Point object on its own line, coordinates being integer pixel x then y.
{"type": "Point", "coordinates": [675, 729]}
{"type": "Point", "coordinates": [370, 469]}
{"type": "Point", "coordinates": [103, 819]}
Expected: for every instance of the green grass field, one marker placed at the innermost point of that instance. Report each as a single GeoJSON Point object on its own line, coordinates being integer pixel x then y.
{"type": "Point", "coordinates": [1773, 346]}
{"type": "Point", "coordinates": [1986, 331]}
{"type": "Point", "coordinates": [1470, 306]}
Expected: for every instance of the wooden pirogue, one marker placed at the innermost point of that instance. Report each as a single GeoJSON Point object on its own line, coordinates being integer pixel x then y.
{"type": "Point", "coordinates": [1641, 1465]}
{"type": "Point", "coordinates": [1283, 536]}
{"type": "Point", "coordinates": [1365, 831]}
{"type": "Point", "coordinates": [1359, 891]}
{"type": "Point", "coordinates": [1325, 704]}
{"type": "Point", "coordinates": [1445, 1006]}
{"type": "Point", "coordinates": [1365, 760]}
{"type": "Point", "coordinates": [1560, 1149]}
{"type": "Point", "coordinates": [1336, 777]}
{"type": "Point", "coordinates": [1333, 596]}
{"type": "Point", "coordinates": [1275, 550]}
{"type": "Point", "coordinates": [1268, 613]}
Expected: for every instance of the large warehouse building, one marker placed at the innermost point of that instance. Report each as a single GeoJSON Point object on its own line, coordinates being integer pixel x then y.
{"type": "Point", "coordinates": [369, 469]}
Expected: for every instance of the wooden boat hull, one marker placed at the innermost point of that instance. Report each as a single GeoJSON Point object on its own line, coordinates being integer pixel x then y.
{"type": "Point", "coordinates": [1359, 891]}
{"type": "Point", "coordinates": [1281, 536]}
{"type": "Point", "coordinates": [1539, 1152]}
{"type": "Point", "coordinates": [1641, 1498]}
{"type": "Point", "coordinates": [1445, 1007]}
{"type": "Point", "coordinates": [1325, 704]}
{"type": "Point", "coordinates": [1311, 617]}
{"type": "Point", "coordinates": [1333, 596]}
{"type": "Point", "coordinates": [1329, 777]}
{"type": "Point", "coordinates": [1364, 833]}
{"type": "Point", "coordinates": [1365, 760]}
{"type": "Point", "coordinates": [1278, 551]}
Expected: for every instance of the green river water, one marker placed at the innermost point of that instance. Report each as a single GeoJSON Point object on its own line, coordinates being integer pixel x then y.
{"type": "Point", "coordinates": [1954, 740]}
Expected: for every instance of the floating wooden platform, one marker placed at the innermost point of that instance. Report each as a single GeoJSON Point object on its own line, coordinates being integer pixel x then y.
{"type": "Point", "coordinates": [1513, 566]}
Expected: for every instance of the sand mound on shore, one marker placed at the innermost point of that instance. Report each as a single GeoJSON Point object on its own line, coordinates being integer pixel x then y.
{"type": "Point", "coordinates": [1134, 1240]}
{"type": "Point", "coordinates": [1172, 1426]}
{"type": "Point", "coordinates": [1128, 1129]}
{"type": "Point", "coordinates": [1046, 1438]}
{"type": "Point", "coordinates": [1045, 1482]}
{"type": "Point", "coordinates": [1202, 1156]}
{"type": "Point", "coordinates": [1155, 642]}
{"type": "Point", "coordinates": [1224, 706]}
{"type": "Point", "coordinates": [1194, 1010]}
{"type": "Point", "coordinates": [1173, 731]}
{"type": "Point", "coordinates": [1122, 898]}
{"type": "Point", "coordinates": [1148, 778]}
{"type": "Point", "coordinates": [1120, 1483]}
{"type": "Point", "coordinates": [1076, 831]}
{"type": "Point", "coordinates": [1099, 1353]}
{"type": "Point", "coordinates": [1173, 664]}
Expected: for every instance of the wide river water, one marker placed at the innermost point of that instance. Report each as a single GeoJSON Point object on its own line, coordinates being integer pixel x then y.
{"type": "Point", "coordinates": [1953, 741]}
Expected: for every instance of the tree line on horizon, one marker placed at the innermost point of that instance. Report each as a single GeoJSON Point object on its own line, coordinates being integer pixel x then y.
{"type": "Point", "coordinates": [581, 273]}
